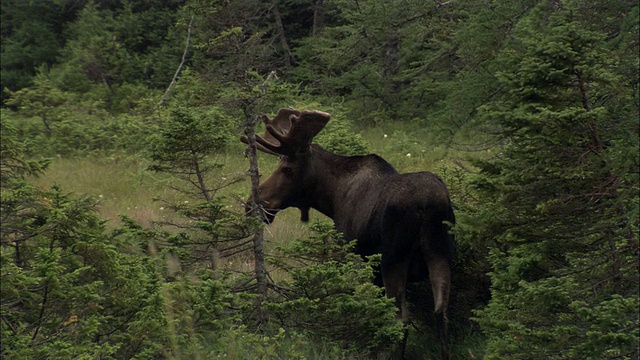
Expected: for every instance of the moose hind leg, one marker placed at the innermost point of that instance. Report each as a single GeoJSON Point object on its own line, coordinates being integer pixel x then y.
{"type": "Point", "coordinates": [440, 278]}
{"type": "Point", "coordinates": [394, 278]}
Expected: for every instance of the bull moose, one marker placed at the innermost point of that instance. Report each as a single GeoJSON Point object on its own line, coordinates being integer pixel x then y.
{"type": "Point", "coordinates": [404, 217]}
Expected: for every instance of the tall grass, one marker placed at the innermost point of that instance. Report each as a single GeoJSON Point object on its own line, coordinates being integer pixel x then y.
{"type": "Point", "coordinates": [121, 187]}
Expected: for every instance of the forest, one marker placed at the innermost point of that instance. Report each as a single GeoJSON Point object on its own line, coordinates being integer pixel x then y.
{"type": "Point", "coordinates": [123, 180]}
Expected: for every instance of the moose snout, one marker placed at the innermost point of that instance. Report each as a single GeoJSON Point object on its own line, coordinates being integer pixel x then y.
{"type": "Point", "coordinates": [266, 215]}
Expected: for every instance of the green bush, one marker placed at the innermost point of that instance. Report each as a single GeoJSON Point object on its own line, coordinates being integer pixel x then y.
{"type": "Point", "coordinates": [331, 294]}
{"type": "Point", "coordinates": [56, 122]}
{"type": "Point", "coordinates": [340, 138]}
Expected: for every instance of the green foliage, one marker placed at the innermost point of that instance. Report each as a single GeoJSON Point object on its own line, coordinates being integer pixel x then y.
{"type": "Point", "coordinates": [56, 122]}
{"type": "Point", "coordinates": [358, 57]}
{"type": "Point", "coordinates": [153, 35]}
{"type": "Point", "coordinates": [29, 42]}
{"type": "Point", "coordinates": [197, 313]}
{"type": "Point", "coordinates": [105, 50]}
{"type": "Point", "coordinates": [71, 288]}
{"type": "Point", "coordinates": [330, 294]}
{"type": "Point", "coordinates": [186, 146]}
{"type": "Point", "coordinates": [603, 323]}
{"type": "Point", "coordinates": [560, 218]}
{"type": "Point", "coordinates": [43, 101]}
{"type": "Point", "coordinates": [187, 138]}
{"type": "Point", "coordinates": [91, 53]}
{"type": "Point", "coordinates": [67, 291]}
{"type": "Point", "coordinates": [551, 213]}
{"type": "Point", "coordinates": [239, 342]}
{"type": "Point", "coordinates": [339, 137]}
{"type": "Point", "coordinates": [95, 51]}
{"type": "Point", "coordinates": [14, 166]}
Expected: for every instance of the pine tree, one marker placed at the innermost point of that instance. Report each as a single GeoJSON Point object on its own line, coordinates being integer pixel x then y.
{"type": "Point", "coordinates": [31, 38]}
{"type": "Point", "coordinates": [330, 294]}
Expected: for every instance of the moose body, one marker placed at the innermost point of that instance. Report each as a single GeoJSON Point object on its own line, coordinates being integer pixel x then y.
{"type": "Point", "coordinates": [404, 217]}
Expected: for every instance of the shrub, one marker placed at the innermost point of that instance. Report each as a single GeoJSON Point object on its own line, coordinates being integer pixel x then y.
{"type": "Point", "coordinates": [331, 294]}
{"type": "Point", "coordinates": [338, 137]}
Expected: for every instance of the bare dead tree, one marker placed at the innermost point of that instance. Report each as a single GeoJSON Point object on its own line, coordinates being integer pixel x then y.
{"type": "Point", "coordinates": [179, 69]}
{"type": "Point", "coordinates": [281, 33]}
{"type": "Point", "coordinates": [260, 268]}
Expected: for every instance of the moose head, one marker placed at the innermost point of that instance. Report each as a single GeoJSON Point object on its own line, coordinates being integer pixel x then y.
{"type": "Point", "coordinates": [289, 135]}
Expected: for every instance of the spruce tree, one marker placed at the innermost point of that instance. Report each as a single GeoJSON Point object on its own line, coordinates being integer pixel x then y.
{"type": "Point", "coordinates": [68, 288]}
{"type": "Point", "coordinates": [562, 197]}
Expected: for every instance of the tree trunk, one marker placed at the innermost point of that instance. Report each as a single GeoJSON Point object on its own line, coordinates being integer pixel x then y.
{"type": "Point", "coordinates": [182, 62]}
{"type": "Point", "coordinates": [260, 269]}
{"type": "Point", "coordinates": [391, 61]}
{"type": "Point", "coordinates": [281, 34]}
{"type": "Point", "coordinates": [318, 18]}
{"type": "Point", "coordinates": [252, 111]}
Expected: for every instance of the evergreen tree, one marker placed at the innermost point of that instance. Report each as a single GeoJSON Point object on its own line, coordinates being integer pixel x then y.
{"type": "Point", "coordinates": [92, 53]}
{"type": "Point", "coordinates": [56, 122]}
{"type": "Point", "coordinates": [32, 37]}
{"type": "Point", "coordinates": [361, 55]}
{"type": "Point", "coordinates": [455, 65]}
{"type": "Point", "coordinates": [42, 101]}
{"type": "Point", "coordinates": [185, 147]}
{"type": "Point", "coordinates": [68, 290]}
{"type": "Point", "coordinates": [562, 197]}
{"type": "Point", "coordinates": [331, 294]}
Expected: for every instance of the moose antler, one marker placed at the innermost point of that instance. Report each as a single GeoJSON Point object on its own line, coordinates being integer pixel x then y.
{"type": "Point", "coordinates": [290, 131]}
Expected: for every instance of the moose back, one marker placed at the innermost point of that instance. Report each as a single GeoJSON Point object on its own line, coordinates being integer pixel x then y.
{"type": "Point", "coordinates": [404, 217]}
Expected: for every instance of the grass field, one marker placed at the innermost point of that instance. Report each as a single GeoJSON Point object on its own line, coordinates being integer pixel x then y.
{"type": "Point", "coordinates": [126, 186]}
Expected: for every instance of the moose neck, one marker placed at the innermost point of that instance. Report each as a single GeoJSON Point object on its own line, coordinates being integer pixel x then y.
{"type": "Point", "coordinates": [338, 184]}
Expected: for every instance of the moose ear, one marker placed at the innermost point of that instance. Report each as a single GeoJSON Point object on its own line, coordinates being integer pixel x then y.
{"type": "Point", "coordinates": [304, 214]}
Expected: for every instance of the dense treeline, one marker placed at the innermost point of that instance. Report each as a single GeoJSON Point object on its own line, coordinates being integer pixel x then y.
{"type": "Point", "coordinates": [535, 101]}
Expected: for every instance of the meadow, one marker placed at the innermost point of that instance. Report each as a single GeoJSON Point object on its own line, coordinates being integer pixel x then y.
{"type": "Point", "coordinates": [125, 186]}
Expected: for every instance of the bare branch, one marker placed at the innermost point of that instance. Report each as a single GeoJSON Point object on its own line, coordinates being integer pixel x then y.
{"type": "Point", "coordinates": [179, 69]}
